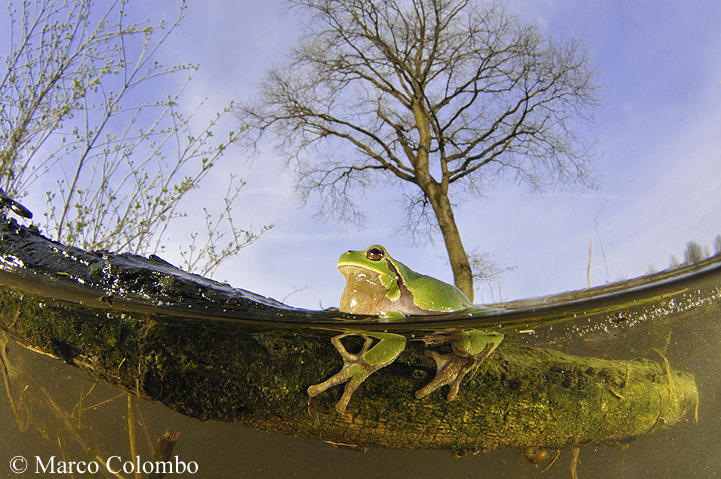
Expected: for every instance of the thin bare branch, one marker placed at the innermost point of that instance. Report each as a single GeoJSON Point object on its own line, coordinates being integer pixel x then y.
{"type": "Point", "coordinates": [74, 106]}
{"type": "Point", "coordinates": [431, 92]}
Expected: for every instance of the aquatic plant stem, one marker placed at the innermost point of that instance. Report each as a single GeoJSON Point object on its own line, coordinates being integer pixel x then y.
{"type": "Point", "coordinates": [6, 375]}
{"type": "Point", "coordinates": [60, 413]}
{"type": "Point", "coordinates": [131, 431]}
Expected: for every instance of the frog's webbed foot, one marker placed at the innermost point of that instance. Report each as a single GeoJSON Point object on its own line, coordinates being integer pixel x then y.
{"type": "Point", "coordinates": [355, 370]}
{"type": "Point", "coordinates": [450, 370]}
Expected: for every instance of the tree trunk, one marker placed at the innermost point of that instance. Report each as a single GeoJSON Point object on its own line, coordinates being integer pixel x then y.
{"type": "Point", "coordinates": [437, 194]}
{"type": "Point", "coordinates": [462, 273]}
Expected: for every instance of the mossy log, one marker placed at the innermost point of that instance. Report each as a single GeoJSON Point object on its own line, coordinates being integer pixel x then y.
{"type": "Point", "coordinates": [215, 353]}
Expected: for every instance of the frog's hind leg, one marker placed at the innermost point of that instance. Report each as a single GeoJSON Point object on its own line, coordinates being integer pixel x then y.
{"type": "Point", "coordinates": [353, 372]}
{"type": "Point", "coordinates": [349, 358]}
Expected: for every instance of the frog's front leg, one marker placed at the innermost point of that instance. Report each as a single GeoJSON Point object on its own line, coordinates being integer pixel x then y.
{"type": "Point", "coordinates": [468, 353]}
{"type": "Point", "coordinates": [357, 367]}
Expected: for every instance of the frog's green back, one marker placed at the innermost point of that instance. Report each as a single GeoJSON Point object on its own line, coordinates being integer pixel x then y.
{"type": "Point", "coordinates": [433, 294]}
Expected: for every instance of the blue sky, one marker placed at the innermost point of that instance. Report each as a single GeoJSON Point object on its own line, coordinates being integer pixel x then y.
{"type": "Point", "coordinates": [659, 65]}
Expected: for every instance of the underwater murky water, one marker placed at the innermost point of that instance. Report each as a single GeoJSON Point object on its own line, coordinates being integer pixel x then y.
{"type": "Point", "coordinates": [63, 414]}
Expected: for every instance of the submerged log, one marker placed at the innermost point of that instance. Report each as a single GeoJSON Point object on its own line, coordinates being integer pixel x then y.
{"type": "Point", "coordinates": [217, 353]}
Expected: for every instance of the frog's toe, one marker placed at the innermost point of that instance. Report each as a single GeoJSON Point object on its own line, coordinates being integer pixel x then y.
{"type": "Point", "coordinates": [350, 388]}
{"type": "Point", "coordinates": [339, 378]}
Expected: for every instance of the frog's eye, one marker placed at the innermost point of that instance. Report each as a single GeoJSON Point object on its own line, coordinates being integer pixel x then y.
{"type": "Point", "coordinates": [375, 254]}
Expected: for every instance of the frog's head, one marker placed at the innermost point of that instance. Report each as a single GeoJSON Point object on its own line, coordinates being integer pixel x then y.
{"type": "Point", "coordinates": [372, 260]}
{"type": "Point", "coordinates": [370, 278]}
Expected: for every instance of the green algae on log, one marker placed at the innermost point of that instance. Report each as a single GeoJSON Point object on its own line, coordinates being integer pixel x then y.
{"type": "Point", "coordinates": [215, 353]}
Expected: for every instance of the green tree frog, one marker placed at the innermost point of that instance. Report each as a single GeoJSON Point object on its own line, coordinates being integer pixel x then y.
{"type": "Point", "coordinates": [378, 284]}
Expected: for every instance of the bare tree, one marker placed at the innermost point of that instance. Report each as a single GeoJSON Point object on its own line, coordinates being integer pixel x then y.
{"type": "Point", "coordinates": [487, 273]}
{"type": "Point", "coordinates": [79, 106]}
{"type": "Point", "coordinates": [430, 92]}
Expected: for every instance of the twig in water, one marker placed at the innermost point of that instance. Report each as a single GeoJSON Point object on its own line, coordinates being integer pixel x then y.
{"type": "Point", "coordinates": [131, 430]}
{"type": "Point", "coordinates": [6, 375]}
{"type": "Point", "coordinates": [575, 451]}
